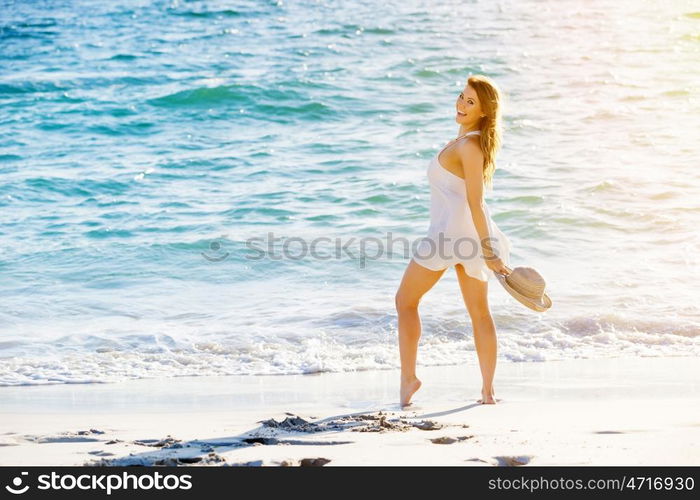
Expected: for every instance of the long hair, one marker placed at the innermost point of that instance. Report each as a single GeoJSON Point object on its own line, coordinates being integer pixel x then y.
{"type": "Point", "coordinates": [490, 126]}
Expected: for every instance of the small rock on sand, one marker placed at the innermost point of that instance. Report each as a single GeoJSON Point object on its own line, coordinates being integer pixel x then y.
{"type": "Point", "coordinates": [261, 440]}
{"type": "Point", "coordinates": [91, 431]}
{"type": "Point", "coordinates": [510, 461]}
{"type": "Point", "coordinates": [443, 440]}
{"type": "Point", "coordinates": [211, 458]}
{"type": "Point", "coordinates": [168, 442]}
{"type": "Point", "coordinates": [427, 425]}
{"type": "Point", "coordinates": [313, 462]}
{"type": "Point", "coordinates": [297, 424]}
{"type": "Point", "coordinates": [449, 440]}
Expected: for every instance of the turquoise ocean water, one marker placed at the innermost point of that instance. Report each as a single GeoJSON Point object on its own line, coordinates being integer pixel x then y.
{"type": "Point", "coordinates": [142, 143]}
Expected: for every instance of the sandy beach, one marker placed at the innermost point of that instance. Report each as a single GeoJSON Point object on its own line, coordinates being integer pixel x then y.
{"type": "Point", "coordinates": [580, 412]}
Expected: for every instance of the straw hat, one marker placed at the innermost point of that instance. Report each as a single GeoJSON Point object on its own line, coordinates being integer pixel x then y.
{"type": "Point", "coordinates": [527, 286]}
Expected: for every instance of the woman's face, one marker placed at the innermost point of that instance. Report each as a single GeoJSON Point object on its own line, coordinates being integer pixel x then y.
{"type": "Point", "coordinates": [468, 108]}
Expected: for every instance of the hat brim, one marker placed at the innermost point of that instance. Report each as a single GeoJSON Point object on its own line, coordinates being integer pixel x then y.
{"type": "Point", "coordinates": [534, 304]}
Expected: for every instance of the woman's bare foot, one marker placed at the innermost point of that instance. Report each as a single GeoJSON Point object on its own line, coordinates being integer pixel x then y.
{"type": "Point", "coordinates": [408, 388]}
{"type": "Point", "coordinates": [487, 398]}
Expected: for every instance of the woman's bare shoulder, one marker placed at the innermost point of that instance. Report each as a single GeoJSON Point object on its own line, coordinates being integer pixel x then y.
{"type": "Point", "coordinates": [469, 145]}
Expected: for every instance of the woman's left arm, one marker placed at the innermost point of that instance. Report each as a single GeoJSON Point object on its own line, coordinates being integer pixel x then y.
{"type": "Point", "coordinates": [472, 166]}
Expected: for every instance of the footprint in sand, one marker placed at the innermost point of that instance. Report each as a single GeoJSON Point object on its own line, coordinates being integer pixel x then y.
{"type": "Point", "coordinates": [101, 453]}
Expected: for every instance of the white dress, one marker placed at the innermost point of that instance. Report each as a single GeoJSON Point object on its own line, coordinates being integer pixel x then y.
{"type": "Point", "coordinates": [452, 236]}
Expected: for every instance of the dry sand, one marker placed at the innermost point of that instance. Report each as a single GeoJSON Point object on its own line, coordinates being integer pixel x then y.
{"type": "Point", "coordinates": [580, 412]}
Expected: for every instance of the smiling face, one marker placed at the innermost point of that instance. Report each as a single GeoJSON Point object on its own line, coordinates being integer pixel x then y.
{"type": "Point", "coordinates": [468, 109]}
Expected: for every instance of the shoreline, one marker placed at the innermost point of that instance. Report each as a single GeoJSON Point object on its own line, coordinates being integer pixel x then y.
{"type": "Point", "coordinates": [570, 412]}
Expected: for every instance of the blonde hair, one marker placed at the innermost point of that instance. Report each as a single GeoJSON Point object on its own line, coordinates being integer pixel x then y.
{"type": "Point", "coordinates": [490, 126]}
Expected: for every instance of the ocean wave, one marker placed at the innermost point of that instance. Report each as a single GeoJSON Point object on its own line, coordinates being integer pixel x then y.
{"type": "Point", "coordinates": [255, 101]}
{"type": "Point", "coordinates": [310, 356]}
{"type": "Point", "coordinates": [72, 188]}
{"type": "Point", "coordinates": [210, 14]}
{"type": "Point", "coordinates": [206, 96]}
{"type": "Point", "coordinates": [337, 346]}
{"type": "Point", "coordinates": [30, 87]}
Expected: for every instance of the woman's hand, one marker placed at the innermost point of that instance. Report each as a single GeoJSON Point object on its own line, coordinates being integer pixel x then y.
{"type": "Point", "coordinates": [496, 264]}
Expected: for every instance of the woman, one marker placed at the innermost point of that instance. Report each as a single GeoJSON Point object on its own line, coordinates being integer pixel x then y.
{"type": "Point", "coordinates": [461, 234]}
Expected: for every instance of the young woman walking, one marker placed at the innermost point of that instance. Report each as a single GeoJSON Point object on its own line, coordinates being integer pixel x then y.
{"type": "Point", "coordinates": [461, 234]}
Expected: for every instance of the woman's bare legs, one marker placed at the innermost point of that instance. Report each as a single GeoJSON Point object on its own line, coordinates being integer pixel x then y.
{"type": "Point", "coordinates": [475, 295]}
{"type": "Point", "coordinates": [417, 280]}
